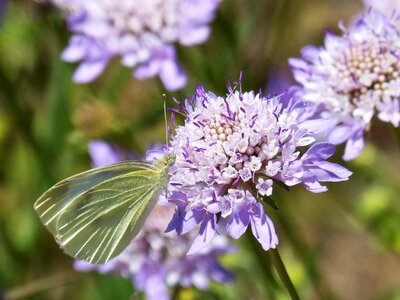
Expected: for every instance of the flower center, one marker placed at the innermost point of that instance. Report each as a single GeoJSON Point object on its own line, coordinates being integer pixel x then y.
{"type": "Point", "coordinates": [243, 149]}
{"type": "Point", "coordinates": [365, 71]}
{"type": "Point", "coordinates": [153, 16]}
{"type": "Point", "coordinates": [218, 129]}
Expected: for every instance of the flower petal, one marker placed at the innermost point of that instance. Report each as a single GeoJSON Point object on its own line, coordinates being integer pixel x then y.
{"type": "Point", "coordinates": [354, 146]}
{"type": "Point", "coordinates": [192, 36]}
{"type": "Point", "coordinates": [102, 153]}
{"type": "Point", "coordinates": [89, 70]}
{"type": "Point", "coordinates": [319, 151]}
{"type": "Point", "coordinates": [336, 172]}
{"type": "Point", "coordinates": [147, 70]}
{"type": "Point", "coordinates": [339, 134]}
{"type": "Point", "coordinates": [172, 75]}
{"type": "Point", "coordinates": [238, 223]}
{"type": "Point", "coordinates": [206, 233]}
{"type": "Point", "coordinates": [263, 229]}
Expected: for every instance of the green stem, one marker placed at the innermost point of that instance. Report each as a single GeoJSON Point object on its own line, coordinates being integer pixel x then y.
{"type": "Point", "coordinates": [307, 256]}
{"type": "Point", "coordinates": [260, 259]}
{"type": "Point", "coordinates": [397, 135]}
{"type": "Point", "coordinates": [175, 292]}
{"type": "Point", "coordinates": [283, 275]}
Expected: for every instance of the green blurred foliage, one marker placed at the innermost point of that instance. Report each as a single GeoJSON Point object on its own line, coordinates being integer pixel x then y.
{"type": "Point", "coordinates": [343, 244]}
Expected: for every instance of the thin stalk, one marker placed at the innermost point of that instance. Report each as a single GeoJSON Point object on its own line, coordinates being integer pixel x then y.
{"type": "Point", "coordinates": [397, 135]}
{"type": "Point", "coordinates": [283, 275]}
{"type": "Point", "coordinates": [264, 261]}
{"type": "Point", "coordinates": [302, 251]}
{"type": "Point", "coordinates": [175, 292]}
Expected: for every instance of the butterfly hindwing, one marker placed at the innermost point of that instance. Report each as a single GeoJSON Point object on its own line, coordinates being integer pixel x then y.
{"type": "Point", "coordinates": [95, 214]}
{"type": "Point", "coordinates": [107, 218]}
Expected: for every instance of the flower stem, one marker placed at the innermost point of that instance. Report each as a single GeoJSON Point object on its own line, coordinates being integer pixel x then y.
{"type": "Point", "coordinates": [397, 135]}
{"type": "Point", "coordinates": [283, 275]}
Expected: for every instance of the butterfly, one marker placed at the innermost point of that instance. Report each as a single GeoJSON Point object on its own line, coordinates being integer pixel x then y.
{"type": "Point", "coordinates": [94, 215]}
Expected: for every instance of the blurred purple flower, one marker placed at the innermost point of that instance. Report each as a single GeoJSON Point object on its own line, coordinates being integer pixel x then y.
{"type": "Point", "coordinates": [229, 154]}
{"type": "Point", "coordinates": [155, 259]}
{"type": "Point", "coordinates": [103, 153]}
{"type": "Point", "coordinates": [387, 7]}
{"type": "Point", "coordinates": [279, 81]}
{"type": "Point", "coordinates": [3, 6]}
{"type": "Point", "coordinates": [142, 33]}
{"type": "Point", "coordinates": [354, 77]}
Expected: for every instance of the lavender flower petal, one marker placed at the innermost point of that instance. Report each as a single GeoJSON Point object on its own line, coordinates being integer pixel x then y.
{"type": "Point", "coordinates": [102, 153]}
{"type": "Point", "coordinates": [205, 235]}
{"type": "Point", "coordinates": [262, 228]}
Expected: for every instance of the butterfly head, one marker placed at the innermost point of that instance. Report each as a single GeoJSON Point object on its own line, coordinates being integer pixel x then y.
{"type": "Point", "coordinates": [166, 162]}
{"type": "Point", "coordinates": [170, 159]}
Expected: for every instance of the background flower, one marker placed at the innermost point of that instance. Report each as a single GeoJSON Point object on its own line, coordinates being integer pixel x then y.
{"type": "Point", "coordinates": [388, 7]}
{"type": "Point", "coordinates": [141, 33]}
{"type": "Point", "coordinates": [155, 260]}
{"type": "Point", "coordinates": [230, 152]}
{"type": "Point", "coordinates": [354, 77]}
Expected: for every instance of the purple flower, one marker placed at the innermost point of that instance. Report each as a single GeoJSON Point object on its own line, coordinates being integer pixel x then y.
{"type": "Point", "coordinates": [388, 7]}
{"type": "Point", "coordinates": [353, 78]}
{"type": "Point", "coordinates": [103, 153]}
{"type": "Point", "coordinates": [142, 33]}
{"type": "Point", "coordinates": [230, 153]}
{"type": "Point", "coordinates": [155, 259]}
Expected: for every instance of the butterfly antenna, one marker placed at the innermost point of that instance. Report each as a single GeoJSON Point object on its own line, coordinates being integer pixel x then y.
{"type": "Point", "coordinates": [165, 118]}
{"type": "Point", "coordinates": [166, 132]}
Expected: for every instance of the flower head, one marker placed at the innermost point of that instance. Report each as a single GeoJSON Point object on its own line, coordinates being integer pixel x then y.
{"type": "Point", "coordinates": [142, 33]}
{"type": "Point", "coordinates": [229, 155]}
{"type": "Point", "coordinates": [354, 77]}
{"type": "Point", "coordinates": [155, 260]}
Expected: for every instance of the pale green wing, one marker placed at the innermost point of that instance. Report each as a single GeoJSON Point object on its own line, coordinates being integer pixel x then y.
{"type": "Point", "coordinates": [94, 215]}
{"type": "Point", "coordinates": [52, 203]}
{"type": "Point", "coordinates": [107, 217]}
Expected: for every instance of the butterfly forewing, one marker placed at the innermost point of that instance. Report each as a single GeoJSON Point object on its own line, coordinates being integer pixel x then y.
{"type": "Point", "coordinates": [94, 215]}
{"type": "Point", "coordinates": [104, 223]}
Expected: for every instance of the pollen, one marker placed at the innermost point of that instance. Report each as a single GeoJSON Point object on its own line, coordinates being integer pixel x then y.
{"type": "Point", "coordinates": [218, 129]}
{"type": "Point", "coordinates": [365, 70]}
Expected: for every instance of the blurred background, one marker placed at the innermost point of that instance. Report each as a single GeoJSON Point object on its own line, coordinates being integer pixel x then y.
{"type": "Point", "coordinates": [342, 244]}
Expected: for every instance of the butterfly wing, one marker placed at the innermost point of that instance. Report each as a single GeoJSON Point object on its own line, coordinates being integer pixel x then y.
{"type": "Point", "coordinates": [94, 215]}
